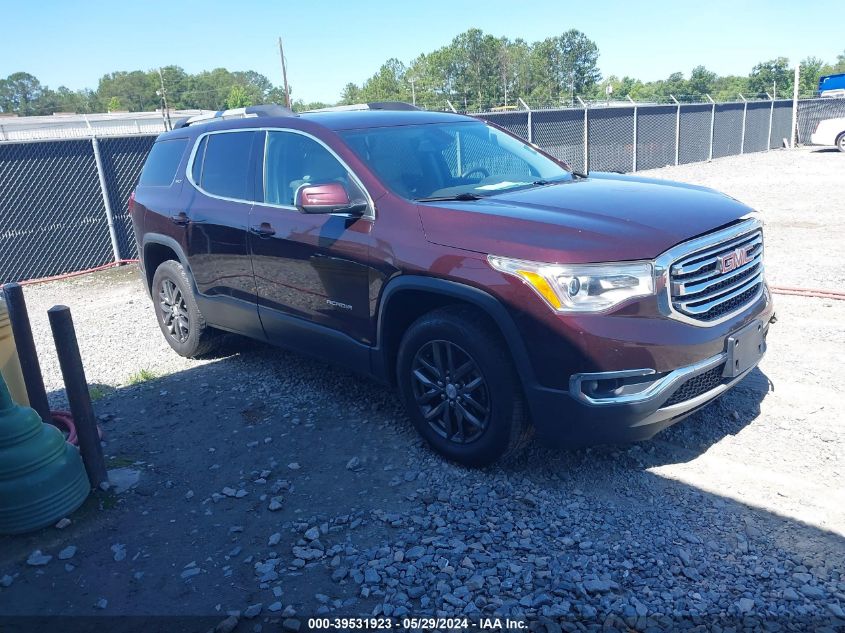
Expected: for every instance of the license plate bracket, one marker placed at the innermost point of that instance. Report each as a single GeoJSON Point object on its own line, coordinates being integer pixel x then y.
{"type": "Point", "coordinates": [745, 348]}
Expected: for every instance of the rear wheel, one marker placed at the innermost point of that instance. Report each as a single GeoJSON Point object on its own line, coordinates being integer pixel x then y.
{"type": "Point", "coordinates": [460, 388]}
{"type": "Point", "coordinates": [840, 142]}
{"type": "Point", "coordinates": [183, 325]}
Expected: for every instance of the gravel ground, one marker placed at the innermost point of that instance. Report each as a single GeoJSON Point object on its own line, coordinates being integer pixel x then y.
{"type": "Point", "coordinates": [272, 488]}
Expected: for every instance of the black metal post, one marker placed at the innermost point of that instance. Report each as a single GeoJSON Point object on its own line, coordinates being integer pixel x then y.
{"type": "Point", "coordinates": [28, 356]}
{"type": "Point", "coordinates": [76, 387]}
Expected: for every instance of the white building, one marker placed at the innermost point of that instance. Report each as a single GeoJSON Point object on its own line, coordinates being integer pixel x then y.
{"type": "Point", "coordinates": [61, 125]}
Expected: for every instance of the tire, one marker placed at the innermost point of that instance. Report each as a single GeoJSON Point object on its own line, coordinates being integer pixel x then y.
{"type": "Point", "coordinates": [183, 325]}
{"type": "Point", "coordinates": [467, 421]}
{"type": "Point", "coordinates": [840, 142]}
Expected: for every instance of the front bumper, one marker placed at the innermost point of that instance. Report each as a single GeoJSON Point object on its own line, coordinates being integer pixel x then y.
{"type": "Point", "coordinates": [635, 411]}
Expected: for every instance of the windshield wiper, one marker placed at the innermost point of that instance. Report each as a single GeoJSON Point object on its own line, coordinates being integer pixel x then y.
{"type": "Point", "coordinates": [458, 196]}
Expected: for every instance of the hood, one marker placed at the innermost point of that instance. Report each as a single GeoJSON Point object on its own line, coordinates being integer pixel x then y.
{"type": "Point", "coordinates": [606, 217]}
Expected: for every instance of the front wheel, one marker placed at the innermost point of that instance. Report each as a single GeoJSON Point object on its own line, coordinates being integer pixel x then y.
{"type": "Point", "coordinates": [460, 388]}
{"type": "Point", "coordinates": [840, 142]}
{"type": "Point", "coordinates": [179, 318]}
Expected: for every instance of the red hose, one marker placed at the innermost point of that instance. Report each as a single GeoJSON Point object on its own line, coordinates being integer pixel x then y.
{"type": "Point", "coordinates": [809, 292]}
{"type": "Point", "coordinates": [781, 290]}
{"type": "Point", "coordinates": [63, 421]}
{"type": "Point", "coordinates": [78, 272]}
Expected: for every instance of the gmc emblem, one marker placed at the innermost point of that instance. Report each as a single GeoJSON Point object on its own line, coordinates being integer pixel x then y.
{"type": "Point", "coordinates": [734, 259]}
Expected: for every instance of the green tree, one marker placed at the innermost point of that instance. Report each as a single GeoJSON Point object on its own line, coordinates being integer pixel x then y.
{"type": "Point", "coordinates": [301, 106]}
{"type": "Point", "coordinates": [837, 67]}
{"type": "Point", "coordinates": [114, 104]}
{"type": "Point", "coordinates": [135, 89]}
{"type": "Point", "coordinates": [238, 98]}
{"type": "Point", "coordinates": [566, 65]}
{"type": "Point", "coordinates": [523, 78]}
{"type": "Point", "coordinates": [20, 93]}
{"type": "Point", "coordinates": [474, 62]}
{"type": "Point", "coordinates": [810, 71]}
{"type": "Point", "coordinates": [773, 76]}
{"type": "Point", "coordinates": [729, 87]}
{"type": "Point", "coordinates": [66, 100]}
{"type": "Point", "coordinates": [351, 94]}
{"type": "Point", "coordinates": [276, 95]}
{"type": "Point", "coordinates": [388, 84]}
{"type": "Point", "coordinates": [701, 82]}
{"type": "Point", "coordinates": [434, 75]}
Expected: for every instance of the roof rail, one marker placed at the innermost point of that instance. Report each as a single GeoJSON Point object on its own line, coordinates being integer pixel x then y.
{"type": "Point", "coordinates": [374, 105]}
{"type": "Point", "coordinates": [236, 113]}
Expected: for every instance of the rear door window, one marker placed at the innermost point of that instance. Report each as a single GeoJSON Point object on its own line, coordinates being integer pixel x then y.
{"type": "Point", "coordinates": [162, 163]}
{"type": "Point", "coordinates": [225, 169]}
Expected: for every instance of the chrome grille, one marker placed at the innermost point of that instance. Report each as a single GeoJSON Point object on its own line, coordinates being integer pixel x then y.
{"type": "Point", "coordinates": [702, 291]}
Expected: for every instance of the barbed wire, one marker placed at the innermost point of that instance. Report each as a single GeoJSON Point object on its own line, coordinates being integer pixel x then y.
{"type": "Point", "coordinates": [546, 103]}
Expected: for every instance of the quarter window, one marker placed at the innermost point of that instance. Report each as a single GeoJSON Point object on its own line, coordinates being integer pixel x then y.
{"type": "Point", "coordinates": [162, 163]}
{"type": "Point", "coordinates": [294, 160]}
{"type": "Point", "coordinates": [199, 158]}
{"type": "Point", "coordinates": [225, 165]}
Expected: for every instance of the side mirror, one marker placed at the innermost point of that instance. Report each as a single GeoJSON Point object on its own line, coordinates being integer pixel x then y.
{"type": "Point", "coordinates": [329, 197]}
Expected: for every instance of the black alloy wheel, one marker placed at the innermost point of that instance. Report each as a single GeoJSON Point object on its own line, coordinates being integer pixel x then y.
{"type": "Point", "coordinates": [460, 388]}
{"type": "Point", "coordinates": [451, 391]}
{"type": "Point", "coordinates": [174, 311]}
{"type": "Point", "coordinates": [183, 325]}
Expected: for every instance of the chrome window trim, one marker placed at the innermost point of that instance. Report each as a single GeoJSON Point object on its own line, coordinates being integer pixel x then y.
{"type": "Point", "coordinates": [369, 214]}
{"type": "Point", "coordinates": [663, 263]}
{"type": "Point", "coordinates": [664, 386]}
{"type": "Point", "coordinates": [189, 168]}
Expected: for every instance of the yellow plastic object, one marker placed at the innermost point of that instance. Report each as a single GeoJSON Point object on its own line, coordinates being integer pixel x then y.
{"type": "Point", "coordinates": [10, 366]}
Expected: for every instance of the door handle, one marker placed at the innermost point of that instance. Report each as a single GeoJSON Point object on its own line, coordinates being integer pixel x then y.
{"type": "Point", "coordinates": [262, 230]}
{"type": "Point", "coordinates": [180, 218]}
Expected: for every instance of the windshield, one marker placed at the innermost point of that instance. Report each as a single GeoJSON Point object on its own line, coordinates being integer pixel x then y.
{"type": "Point", "coordinates": [448, 160]}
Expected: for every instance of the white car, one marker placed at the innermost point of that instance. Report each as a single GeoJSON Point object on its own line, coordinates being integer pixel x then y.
{"type": "Point", "coordinates": [830, 132]}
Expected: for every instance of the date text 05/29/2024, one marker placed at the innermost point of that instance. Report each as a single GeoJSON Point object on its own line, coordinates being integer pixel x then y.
{"type": "Point", "coordinates": [411, 623]}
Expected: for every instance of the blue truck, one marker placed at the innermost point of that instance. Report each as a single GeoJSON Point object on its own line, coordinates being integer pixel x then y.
{"type": "Point", "coordinates": [832, 85]}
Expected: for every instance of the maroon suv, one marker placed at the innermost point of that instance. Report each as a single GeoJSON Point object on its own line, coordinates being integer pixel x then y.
{"type": "Point", "coordinates": [501, 291]}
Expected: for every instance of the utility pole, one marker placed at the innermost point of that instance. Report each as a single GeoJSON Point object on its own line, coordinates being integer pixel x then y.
{"type": "Point", "coordinates": [793, 130]}
{"type": "Point", "coordinates": [163, 95]}
{"type": "Point", "coordinates": [412, 81]}
{"type": "Point", "coordinates": [284, 74]}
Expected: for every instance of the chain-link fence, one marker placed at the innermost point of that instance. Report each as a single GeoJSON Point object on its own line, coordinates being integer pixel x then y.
{"type": "Point", "coordinates": [122, 159]}
{"type": "Point", "coordinates": [63, 203]}
{"type": "Point", "coordinates": [56, 198]}
{"type": "Point", "coordinates": [813, 111]}
{"type": "Point", "coordinates": [656, 136]}
{"type": "Point", "coordinates": [632, 137]}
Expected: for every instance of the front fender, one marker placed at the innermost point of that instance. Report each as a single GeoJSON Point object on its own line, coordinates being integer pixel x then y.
{"type": "Point", "coordinates": [461, 292]}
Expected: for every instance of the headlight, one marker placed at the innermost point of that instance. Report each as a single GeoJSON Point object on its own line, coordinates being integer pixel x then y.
{"type": "Point", "coordinates": [581, 287]}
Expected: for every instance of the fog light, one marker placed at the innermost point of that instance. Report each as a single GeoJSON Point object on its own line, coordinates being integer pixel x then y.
{"type": "Point", "coordinates": [602, 388]}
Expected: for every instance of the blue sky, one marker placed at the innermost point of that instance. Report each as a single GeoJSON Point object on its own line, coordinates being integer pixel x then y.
{"type": "Point", "coordinates": [331, 42]}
